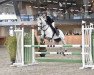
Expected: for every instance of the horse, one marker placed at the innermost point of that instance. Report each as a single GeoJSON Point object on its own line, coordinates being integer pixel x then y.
{"type": "Point", "coordinates": [47, 33]}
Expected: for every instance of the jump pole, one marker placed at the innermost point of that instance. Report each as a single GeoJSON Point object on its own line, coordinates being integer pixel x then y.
{"type": "Point", "coordinates": [59, 60]}
{"type": "Point", "coordinates": [56, 46]}
{"type": "Point", "coordinates": [61, 53]}
{"type": "Point", "coordinates": [83, 56]}
{"type": "Point", "coordinates": [33, 48]}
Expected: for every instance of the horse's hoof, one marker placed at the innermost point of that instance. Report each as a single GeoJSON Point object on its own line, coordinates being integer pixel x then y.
{"type": "Point", "coordinates": [65, 50]}
{"type": "Point", "coordinates": [63, 53]}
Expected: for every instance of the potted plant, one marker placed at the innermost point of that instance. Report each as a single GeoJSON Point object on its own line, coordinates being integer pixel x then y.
{"type": "Point", "coordinates": [11, 45]}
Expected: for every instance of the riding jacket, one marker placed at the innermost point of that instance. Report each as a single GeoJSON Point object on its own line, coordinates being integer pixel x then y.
{"type": "Point", "coordinates": [49, 21]}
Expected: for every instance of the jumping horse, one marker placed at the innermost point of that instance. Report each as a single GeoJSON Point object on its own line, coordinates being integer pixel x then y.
{"type": "Point", "coordinates": [47, 32]}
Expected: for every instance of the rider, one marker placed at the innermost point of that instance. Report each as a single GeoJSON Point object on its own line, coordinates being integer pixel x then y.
{"type": "Point", "coordinates": [51, 23]}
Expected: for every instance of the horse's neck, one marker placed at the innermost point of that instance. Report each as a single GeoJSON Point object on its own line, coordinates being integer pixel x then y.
{"type": "Point", "coordinates": [43, 21]}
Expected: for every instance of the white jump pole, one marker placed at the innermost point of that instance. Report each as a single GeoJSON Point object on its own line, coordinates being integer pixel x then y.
{"type": "Point", "coordinates": [91, 26]}
{"type": "Point", "coordinates": [83, 56]}
{"type": "Point", "coordinates": [22, 45]}
{"type": "Point", "coordinates": [33, 48]}
{"type": "Point", "coordinates": [57, 46]}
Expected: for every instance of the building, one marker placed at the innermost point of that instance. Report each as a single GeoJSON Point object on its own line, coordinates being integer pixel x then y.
{"type": "Point", "coordinates": [67, 14]}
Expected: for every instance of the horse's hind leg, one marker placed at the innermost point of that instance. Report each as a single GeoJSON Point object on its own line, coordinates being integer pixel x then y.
{"type": "Point", "coordinates": [64, 43]}
{"type": "Point", "coordinates": [62, 49]}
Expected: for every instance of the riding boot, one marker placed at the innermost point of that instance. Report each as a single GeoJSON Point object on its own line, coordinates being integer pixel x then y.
{"type": "Point", "coordinates": [57, 32]}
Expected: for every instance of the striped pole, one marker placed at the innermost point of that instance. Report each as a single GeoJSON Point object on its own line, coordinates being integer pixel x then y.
{"type": "Point", "coordinates": [66, 53]}
{"type": "Point", "coordinates": [56, 46]}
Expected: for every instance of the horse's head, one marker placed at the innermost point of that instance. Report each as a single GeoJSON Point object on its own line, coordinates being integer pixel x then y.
{"type": "Point", "coordinates": [41, 23]}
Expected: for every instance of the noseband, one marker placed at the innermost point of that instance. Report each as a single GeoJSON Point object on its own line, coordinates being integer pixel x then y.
{"type": "Point", "coordinates": [42, 26]}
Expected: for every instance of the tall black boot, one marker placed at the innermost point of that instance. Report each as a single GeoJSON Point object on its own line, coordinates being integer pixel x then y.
{"type": "Point", "coordinates": [57, 32]}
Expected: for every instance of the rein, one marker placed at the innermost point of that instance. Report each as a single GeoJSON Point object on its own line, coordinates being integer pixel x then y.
{"type": "Point", "coordinates": [42, 26]}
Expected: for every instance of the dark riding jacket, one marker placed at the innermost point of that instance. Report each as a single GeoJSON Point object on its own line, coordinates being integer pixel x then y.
{"type": "Point", "coordinates": [49, 21]}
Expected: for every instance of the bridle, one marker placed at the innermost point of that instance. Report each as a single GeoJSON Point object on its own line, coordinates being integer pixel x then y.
{"type": "Point", "coordinates": [42, 26]}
